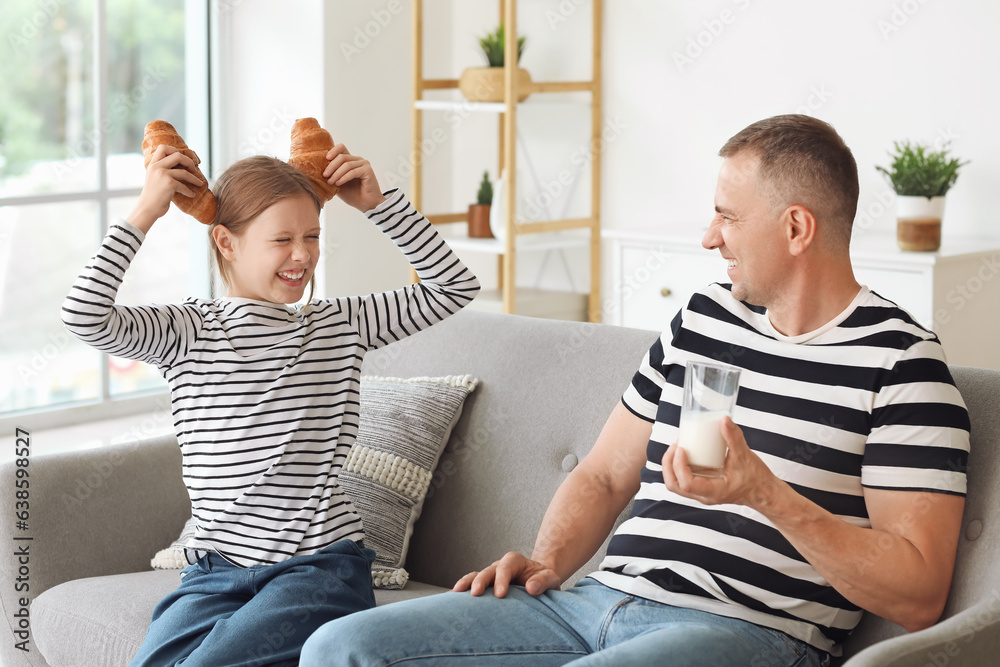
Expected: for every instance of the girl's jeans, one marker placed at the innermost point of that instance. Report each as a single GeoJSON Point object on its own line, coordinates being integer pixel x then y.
{"type": "Point", "coordinates": [261, 615]}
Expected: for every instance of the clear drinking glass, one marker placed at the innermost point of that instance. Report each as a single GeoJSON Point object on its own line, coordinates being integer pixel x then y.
{"type": "Point", "coordinates": [709, 397]}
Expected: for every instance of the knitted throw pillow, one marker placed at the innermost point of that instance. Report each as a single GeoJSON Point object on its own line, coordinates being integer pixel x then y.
{"type": "Point", "coordinates": [403, 429]}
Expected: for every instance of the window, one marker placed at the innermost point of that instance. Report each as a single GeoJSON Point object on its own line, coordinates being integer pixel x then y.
{"type": "Point", "coordinates": [79, 79]}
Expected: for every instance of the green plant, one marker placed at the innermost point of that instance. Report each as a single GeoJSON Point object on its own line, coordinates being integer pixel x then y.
{"type": "Point", "coordinates": [917, 171]}
{"type": "Point", "coordinates": [493, 46]}
{"type": "Point", "coordinates": [485, 194]}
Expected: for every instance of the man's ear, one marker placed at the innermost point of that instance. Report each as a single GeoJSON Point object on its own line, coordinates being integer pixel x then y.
{"type": "Point", "coordinates": [800, 228]}
{"type": "Point", "coordinates": [226, 242]}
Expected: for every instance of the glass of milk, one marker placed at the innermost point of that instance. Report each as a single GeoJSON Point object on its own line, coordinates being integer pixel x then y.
{"type": "Point", "coordinates": [709, 397]}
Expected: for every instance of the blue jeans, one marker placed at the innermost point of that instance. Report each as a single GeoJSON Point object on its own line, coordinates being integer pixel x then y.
{"type": "Point", "coordinates": [589, 624]}
{"type": "Point", "coordinates": [261, 615]}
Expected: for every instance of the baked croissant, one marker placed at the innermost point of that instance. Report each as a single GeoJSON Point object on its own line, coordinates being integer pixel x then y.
{"type": "Point", "coordinates": [203, 205]}
{"type": "Point", "coordinates": [310, 144]}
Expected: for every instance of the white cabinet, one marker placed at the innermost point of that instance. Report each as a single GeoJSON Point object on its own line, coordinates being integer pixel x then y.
{"type": "Point", "coordinates": [654, 277]}
{"type": "Point", "coordinates": [955, 291]}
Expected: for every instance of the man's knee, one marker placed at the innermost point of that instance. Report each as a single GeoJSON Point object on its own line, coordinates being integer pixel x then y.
{"type": "Point", "coordinates": [344, 638]}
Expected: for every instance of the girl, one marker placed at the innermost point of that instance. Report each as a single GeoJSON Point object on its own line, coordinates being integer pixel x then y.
{"type": "Point", "coordinates": [264, 398]}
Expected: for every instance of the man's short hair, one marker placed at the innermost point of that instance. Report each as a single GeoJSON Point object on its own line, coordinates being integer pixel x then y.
{"type": "Point", "coordinates": [803, 161]}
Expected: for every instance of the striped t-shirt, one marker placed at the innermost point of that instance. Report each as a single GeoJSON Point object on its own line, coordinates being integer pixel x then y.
{"type": "Point", "coordinates": [264, 396]}
{"type": "Point", "coordinates": [865, 401]}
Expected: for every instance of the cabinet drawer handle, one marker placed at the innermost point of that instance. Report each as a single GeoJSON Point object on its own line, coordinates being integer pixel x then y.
{"type": "Point", "coordinates": [665, 292]}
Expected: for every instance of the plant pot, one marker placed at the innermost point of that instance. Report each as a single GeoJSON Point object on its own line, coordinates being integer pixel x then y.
{"type": "Point", "coordinates": [918, 223]}
{"type": "Point", "coordinates": [485, 84]}
{"type": "Point", "coordinates": [479, 221]}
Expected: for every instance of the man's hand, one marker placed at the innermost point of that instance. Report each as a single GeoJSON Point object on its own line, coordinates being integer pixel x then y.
{"type": "Point", "coordinates": [746, 479]}
{"type": "Point", "coordinates": [512, 568]}
{"type": "Point", "coordinates": [355, 178]}
{"type": "Point", "coordinates": [899, 569]}
{"type": "Point", "coordinates": [169, 172]}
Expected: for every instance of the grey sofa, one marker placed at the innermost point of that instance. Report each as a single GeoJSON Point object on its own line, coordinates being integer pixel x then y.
{"type": "Point", "coordinates": [546, 388]}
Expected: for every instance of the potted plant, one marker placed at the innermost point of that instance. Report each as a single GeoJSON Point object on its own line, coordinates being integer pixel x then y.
{"type": "Point", "coordinates": [479, 213]}
{"type": "Point", "coordinates": [921, 177]}
{"type": "Point", "coordinates": [486, 84]}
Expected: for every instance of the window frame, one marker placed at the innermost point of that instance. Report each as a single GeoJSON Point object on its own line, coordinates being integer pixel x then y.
{"type": "Point", "coordinates": [201, 21]}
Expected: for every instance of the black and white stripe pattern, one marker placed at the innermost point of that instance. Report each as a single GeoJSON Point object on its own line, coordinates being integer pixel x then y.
{"type": "Point", "coordinates": [265, 397]}
{"type": "Point", "coordinates": [867, 400]}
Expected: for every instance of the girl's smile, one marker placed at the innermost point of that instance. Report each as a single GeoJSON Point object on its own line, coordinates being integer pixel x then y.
{"type": "Point", "coordinates": [276, 256]}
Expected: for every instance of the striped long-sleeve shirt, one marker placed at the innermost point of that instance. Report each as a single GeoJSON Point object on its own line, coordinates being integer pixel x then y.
{"type": "Point", "coordinates": [865, 401]}
{"type": "Point", "coordinates": [264, 397]}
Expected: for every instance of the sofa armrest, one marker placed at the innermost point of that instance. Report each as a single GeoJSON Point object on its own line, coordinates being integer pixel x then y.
{"type": "Point", "coordinates": [91, 513]}
{"type": "Point", "coordinates": [970, 638]}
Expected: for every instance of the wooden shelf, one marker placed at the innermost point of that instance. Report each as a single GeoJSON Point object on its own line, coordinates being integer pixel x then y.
{"type": "Point", "coordinates": [490, 107]}
{"type": "Point", "coordinates": [459, 240]}
{"type": "Point", "coordinates": [519, 236]}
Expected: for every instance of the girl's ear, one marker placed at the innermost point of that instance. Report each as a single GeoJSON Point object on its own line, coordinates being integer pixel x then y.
{"type": "Point", "coordinates": [226, 242]}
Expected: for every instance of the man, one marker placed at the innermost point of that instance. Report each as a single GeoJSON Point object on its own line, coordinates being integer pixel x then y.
{"type": "Point", "coordinates": [843, 487]}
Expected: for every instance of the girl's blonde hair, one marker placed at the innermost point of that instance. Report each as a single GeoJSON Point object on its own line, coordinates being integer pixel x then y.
{"type": "Point", "coordinates": [245, 190]}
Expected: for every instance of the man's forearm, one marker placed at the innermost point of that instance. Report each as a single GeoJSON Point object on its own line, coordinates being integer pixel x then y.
{"type": "Point", "coordinates": [879, 569]}
{"type": "Point", "coordinates": [578, 520]}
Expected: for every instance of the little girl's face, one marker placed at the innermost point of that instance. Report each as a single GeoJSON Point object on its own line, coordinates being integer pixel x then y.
{"type": "Point", "coordinates": [275, 258]}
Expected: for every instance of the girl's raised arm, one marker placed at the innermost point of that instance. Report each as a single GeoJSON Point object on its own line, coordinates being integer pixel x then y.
{"type": "Point", "coordinates": [446, 284]}
{"type": "Point", "coordinates": [153, 334]}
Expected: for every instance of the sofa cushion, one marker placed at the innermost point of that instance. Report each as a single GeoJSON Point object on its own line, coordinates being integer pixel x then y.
{"type": "Point", "coordinates": [102, 621]}
{"type": "Point", "coordinates": [403, 427]}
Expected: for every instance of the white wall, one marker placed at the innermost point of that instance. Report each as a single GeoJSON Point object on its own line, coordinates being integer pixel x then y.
{"type": "Point", "coordinates": [271, 71]}
{"type": "Point", "coordinates": [876, 72]}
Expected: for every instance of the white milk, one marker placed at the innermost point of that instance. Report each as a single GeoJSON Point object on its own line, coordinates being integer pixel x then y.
{"type": "Point", "coordinates": [701, 437]}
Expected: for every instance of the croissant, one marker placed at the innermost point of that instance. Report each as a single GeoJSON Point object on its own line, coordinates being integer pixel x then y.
{"type": "Point", "coordinates": [310, 144]}
{"type": "Point", "coordinates": [203, 205]}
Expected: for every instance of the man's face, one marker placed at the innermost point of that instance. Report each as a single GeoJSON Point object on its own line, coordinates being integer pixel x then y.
{"type": "Point", "coordinates": [747, 232]}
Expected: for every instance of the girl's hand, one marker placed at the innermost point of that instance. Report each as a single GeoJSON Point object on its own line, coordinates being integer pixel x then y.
{"type": "Point", "coordinates": [167, 174]}
{"type": "Point", "coordinates": [355, 177]}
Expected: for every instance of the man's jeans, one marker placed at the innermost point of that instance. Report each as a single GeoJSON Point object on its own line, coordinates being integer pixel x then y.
{"type": "Point", "coordinates": [260, 615]}
{"type": "Point", "coordinates": [589, 624]}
